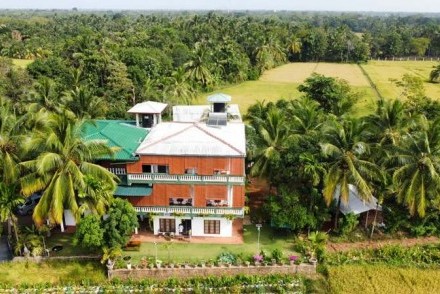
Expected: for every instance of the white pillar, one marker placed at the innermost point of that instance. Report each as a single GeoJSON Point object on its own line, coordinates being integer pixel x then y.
{"type": "Point", "coordinates": [137, 119]}
{"type": "Point", "coordinates": [62, 226]}
{"type": "Point", "coordinates": [230, 195]}
{"type": "Point", "coordinates": [136, 230]}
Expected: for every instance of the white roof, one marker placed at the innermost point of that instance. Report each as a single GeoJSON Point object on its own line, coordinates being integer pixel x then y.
{"type": "Point", "coordinates": [193, 113]}
{"type": "Point", "coordinates": [198, 139]}
{"type": "Point", "coordinates": [219, 97]}
{"type": "Point", "coordinates": [148, 107]}
{"type": "Point", "coordinates": [355, 204]}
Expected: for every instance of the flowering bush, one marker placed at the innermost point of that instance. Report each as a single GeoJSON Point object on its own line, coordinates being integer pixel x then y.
{"type": "Point", "coordinates": [293, 258]}
{"type": "Point", "coordinates": [258, 258]}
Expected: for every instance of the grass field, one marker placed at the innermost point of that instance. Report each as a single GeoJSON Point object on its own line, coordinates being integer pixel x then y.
{"type": "Point", "coordinates": [381, 72]}
{"type": "Point", "coordinates": [22, 63]}
{"type": "Point", "coordinates": [382, 279]}
{"type": "Point", "coordinates": [282, 82]}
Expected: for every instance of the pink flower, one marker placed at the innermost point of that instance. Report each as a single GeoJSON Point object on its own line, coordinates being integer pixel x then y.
{"type": "Point", "coordinates": [258, 258]}
{"type": "Point", "coordinates": [293, 258]}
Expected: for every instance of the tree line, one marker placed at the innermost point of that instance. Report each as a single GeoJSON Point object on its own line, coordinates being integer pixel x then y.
{"type": "Point", "coordinates": [121, 58]}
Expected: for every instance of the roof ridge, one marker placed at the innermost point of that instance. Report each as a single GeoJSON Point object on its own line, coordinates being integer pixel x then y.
{"type": "Point", "coordinates": [217, 138]}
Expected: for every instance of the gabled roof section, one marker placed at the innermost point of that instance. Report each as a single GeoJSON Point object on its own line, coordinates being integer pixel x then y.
{"type": "Point", "coordinates": [148, 107]}
{"type": "Point", "coordinates": [355, 204]}
{"type": "Point", "coordinates": [196, 139]}
{"type": "Point", "coordinates": [118, 133]}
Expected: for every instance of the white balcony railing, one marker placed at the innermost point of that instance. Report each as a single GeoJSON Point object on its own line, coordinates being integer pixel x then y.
{"type": "Point", "coordinates": [191, 210]}
{"type": "Point", "coordinates": [150, 178]}
{"type": "Point", "coordinates": [117, 170]}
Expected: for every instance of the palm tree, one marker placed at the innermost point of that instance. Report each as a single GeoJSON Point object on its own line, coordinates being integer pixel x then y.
{"type": "Point", "coordinates": [62, 166]}
{"type": "Point", "coordinates": [44, 96]}
{"type": "Point", "coordinates": [270, 136]}
{"type": "Point", "coordinates": [416, 165]}
{"type": "Point", "coordinates": [9, 200]}
{"type": "Point", "coordinates": [435, 74]}
{"type": "Point", "coordinates": [196, 69]}
{"type": "Point", "coordinates": [345, 149]}
{"type": "Point", "coordinates": [387, 122]}
{"type": "Point", "coordinates": [179, 88]}
{"type": "Point", "coordinates": [84, 104]}
{"type": "Point", "coordinates": [294, 47]}
{"type": "Point", "coordinates": [11, 132]}
{"type": "Point", "coordinates": [306, 117]}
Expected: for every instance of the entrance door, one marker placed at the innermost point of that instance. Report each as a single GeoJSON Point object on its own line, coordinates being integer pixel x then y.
{"type": "Point", "coordinates": [186, 226]}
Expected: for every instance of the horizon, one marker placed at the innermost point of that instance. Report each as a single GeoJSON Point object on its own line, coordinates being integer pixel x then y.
{"type": "Point", "coordinates": [371, 6]}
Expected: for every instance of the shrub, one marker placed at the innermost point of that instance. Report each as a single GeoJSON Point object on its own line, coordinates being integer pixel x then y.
{"type": "Point", "coordinates": [226, 257]}
{"type": "Point", "coordinates": [348, 224]}
{"type": "Point", "coordinates": [89, 232]}
{"type": "Point", "coordinates": [120, 223]}
{"type": "Point", "coordinates": [277, 254]}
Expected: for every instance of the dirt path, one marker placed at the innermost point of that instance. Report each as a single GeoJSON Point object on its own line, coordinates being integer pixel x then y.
{"type": "Point", "coordinates": [337, 247]}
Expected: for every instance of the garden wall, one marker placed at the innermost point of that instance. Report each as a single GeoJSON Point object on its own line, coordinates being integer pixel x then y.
{"type": "Point", "coordinates": [191, 272]}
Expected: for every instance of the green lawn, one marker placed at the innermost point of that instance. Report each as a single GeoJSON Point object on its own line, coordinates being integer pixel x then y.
{"type": "Point", "coordinates": [65, 240]}
{"type": "Point", "coordinates": [180, 252]}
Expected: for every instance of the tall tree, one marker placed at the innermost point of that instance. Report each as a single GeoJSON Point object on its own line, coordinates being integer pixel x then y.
{"type": "Point", "coordinates": [416, 165]}
{"type": "Point", "coordinates": [346, 151]}
{"type": "Point", "coordinates": [434, 76]}
{"type": "Point", "coordinates": [60, 169]}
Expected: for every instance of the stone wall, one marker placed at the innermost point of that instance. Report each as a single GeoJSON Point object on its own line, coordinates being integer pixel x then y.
{"type": "Point", "coordinates": [190, 272]}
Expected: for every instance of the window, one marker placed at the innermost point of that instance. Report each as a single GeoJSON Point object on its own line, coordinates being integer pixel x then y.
{"type": "Point", "coordinates": [153, 168]}
{"type": "Point", "coordinates": [147, 168]}
{"type": "Point", "coordinates": [167, 225]}
{"type": "Point", "coordinates": [212, 227]}
{"type": "Point", "coordinates": [162, 169]}
{"type": "Point", "coordinates": [191, 171]}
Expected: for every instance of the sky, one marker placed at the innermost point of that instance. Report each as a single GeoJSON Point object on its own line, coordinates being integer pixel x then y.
{"type": "Point", "coordinates": [315, 5]}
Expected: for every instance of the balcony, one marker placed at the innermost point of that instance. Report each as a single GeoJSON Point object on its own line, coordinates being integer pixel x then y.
{"type": "Point", "coordinates": [215, 211]}
{"type": "Point", "coordinates": [150, 178]}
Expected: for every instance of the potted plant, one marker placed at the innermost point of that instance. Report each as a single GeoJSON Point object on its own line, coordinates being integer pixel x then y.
{"type": "Point", "coordinates": [202, 263]}
{"type": "Point", "coordinates": [258, 258]}
{"type": "Point", "coordinates": [293, 259]}
{"type": "Point", "coordinates": [247, 263]}
{"type": "Point", "coordinates": [313, 260]}
{"type": "Point", "coordinates": [158, 263]}
{"type": "Point", "coordinates": [127, 259]}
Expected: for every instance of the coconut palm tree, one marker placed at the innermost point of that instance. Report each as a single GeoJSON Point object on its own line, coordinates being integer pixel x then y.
{"type": "Point", "coordinates": [196, 69]}
{"type": "Point", "coordinates": [270, 136]}
{"type": "Point", "coordinates": [62, 166]}
{"type": "Point", "coordinates": [84, 104]}
{"type": "Point", "coordinates": [387, 122]}
{"type": "Point", "coordinates": [346, 151]}
{"type": "Point", "coordinates": [435, 74]}
{"type": "Point", "coordinates": [416, 166]}
{"type": "Point", "coordinates": [10, 156]}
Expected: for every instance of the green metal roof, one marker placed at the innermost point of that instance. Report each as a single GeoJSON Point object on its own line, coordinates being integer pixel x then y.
{"type": "Point", "coordinates": [118, 133]}
{"type": "Point", "coordinates": [133, 191]}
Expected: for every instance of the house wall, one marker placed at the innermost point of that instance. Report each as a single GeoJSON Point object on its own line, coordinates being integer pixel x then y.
{"type": "Point", "coordinates": [178, 164]}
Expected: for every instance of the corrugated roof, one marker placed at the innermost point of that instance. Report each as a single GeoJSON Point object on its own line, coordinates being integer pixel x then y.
{"type": "Point", "coordinates": [133, 191]}
{"type": "Point", "coordinates": [117, 133]}
{"type": "Point", "coordinates": [198, 139]}
{"type": "Point", "coordinates": [355, 204]}
{"type": "Point", "coordinates": [148, 107]}
{"type": "Point", "coordinates": [219, 97]}
{"type": "Point", "coordinates": [193, 113]}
